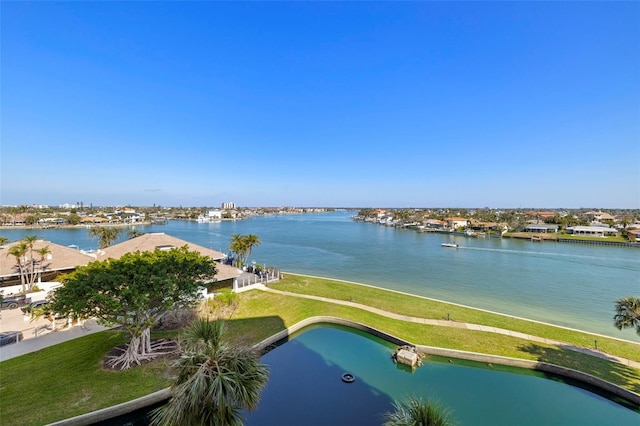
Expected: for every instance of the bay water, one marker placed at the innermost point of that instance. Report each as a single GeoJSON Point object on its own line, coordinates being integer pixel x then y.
{"type": "Point", "coordinates": [572, 285]}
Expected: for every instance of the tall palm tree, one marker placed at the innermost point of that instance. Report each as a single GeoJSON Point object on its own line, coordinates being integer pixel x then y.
{"type": "Point", "coordinates": [30, 240]}
{"type": "Point", "coordinates": [19, 251]}
{"type": "Point", "coordinates": [105, 235]}
{"type": "Point", "coordinates": [43, 252]}
{"type": "Point", "coordinates": [416, 412]}
{"type": "Point", "coordinates": [242, 245]}
{"type": "Point", "coordinates": [238, 245]}
{"type": "Point", "coordinates": [627, 313]}
{"type": "Point", "coordinates": [215, 380]}
{"type": "Point", "coordinates": [134, 233]}
{"type": "Point", "coordinates": [251, 241]}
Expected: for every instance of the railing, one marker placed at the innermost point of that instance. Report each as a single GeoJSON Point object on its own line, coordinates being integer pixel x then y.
{"type": "Point", "coordinates": [264, 278]}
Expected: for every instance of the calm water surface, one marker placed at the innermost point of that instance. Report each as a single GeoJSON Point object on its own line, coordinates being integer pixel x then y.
{"type": "Point", "coordinates": [572, 285]}
{"type": "Point", "coordinates": [305, 388]}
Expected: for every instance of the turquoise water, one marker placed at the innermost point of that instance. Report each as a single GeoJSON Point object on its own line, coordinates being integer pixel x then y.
{"type": "Point", "coordinates": [305, 388]}
{"type": "Point", "coordinates": [571, 285]}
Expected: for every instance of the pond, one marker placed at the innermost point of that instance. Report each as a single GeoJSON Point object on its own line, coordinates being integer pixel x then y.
{"type": "Point", "coordinates": [306, 387]}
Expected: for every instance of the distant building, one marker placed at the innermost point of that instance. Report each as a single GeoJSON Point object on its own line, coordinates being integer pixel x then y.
{"type": "Point", "coordinates": [592, 231]}
{"type": "Point", "coordinates": [456, 222]}
{"type": "Point", "coordinates": [598, 216]}
{"type": "Point", "coordinates": [542, 227]}
{"type": "Point", "coordinates": [228, 206]}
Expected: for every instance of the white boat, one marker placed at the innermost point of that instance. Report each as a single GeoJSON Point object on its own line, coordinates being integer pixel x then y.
{"type": "Point", "coordinates": [454, 245]}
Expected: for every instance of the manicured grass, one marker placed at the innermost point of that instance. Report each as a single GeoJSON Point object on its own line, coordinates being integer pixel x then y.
{"type": "Point", "coordinates": [67, 379]}
{"type": "Point", "coordinates": [616, 239]}
{"type": "Point", "coordinates": [425, 308]}
{"type": "Point", "coordinates": [288, 310]}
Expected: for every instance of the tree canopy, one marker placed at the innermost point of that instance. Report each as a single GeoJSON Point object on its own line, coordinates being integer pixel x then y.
{"type": "Point", "coordinates": [134, 292]}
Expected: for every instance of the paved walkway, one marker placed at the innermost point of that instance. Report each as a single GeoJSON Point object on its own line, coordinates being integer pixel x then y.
{"type": "Point", "coordinates": [34, 344]}
{"type": "Point", "coordinates": [454, 324]}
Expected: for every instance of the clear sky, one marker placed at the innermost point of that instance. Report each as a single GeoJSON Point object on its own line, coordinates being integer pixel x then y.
{"type": "Point", "coordinates": [364, 104]}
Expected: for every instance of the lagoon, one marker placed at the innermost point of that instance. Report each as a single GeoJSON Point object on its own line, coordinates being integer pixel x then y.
{"type": "Point", "coordinates": [571, 285]}
{"type": "Point", "coordinates": [305, 387]}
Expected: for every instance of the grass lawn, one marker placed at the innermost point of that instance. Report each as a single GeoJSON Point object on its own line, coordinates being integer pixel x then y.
{"type": "Point", "coordinates": [67, 379]}
{"type": "Point", "coordinates": [616, 239]}
{"type": "Point", "coordinates": [426, 308]}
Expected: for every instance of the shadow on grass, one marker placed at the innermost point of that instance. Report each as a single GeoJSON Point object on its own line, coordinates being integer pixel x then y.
{"type": "Point", "coordinates": [605, 369]}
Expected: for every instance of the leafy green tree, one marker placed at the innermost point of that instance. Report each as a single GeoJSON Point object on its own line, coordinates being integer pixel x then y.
{"type": "Point", "coordinates": [215, 379]}
{"type": "Point", "coordinates": [3, 241]}
{"type": "Point", "coordinates": [73, 219]}
{"type": "Point", "coordinates": [416, 412]}
{"type": "Point", "coordinates": [134, 292]}
{"type": "Point", "coordinates": [105, 235]}
{"type": "Point", "coordinates": [627, 313]}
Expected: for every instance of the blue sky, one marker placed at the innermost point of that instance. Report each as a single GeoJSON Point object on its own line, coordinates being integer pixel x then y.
{"type": "Point", "coordinates": [395, 104]}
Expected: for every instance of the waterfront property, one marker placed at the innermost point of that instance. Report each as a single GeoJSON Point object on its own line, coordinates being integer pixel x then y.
{"type": "Point", "coordinates": [572, 285]}
{"type": "Point", "coordinates": [260, 315]}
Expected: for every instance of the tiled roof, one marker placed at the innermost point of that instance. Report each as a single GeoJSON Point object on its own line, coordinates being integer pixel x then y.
{"type": "Point", "coordinates": [60, 258]}
{"type": "Point", "coordinates": [149, 242]}
{"type": "Point", "coordinates": [152, 241]}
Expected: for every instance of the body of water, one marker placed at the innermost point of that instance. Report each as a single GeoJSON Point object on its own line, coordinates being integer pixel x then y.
{"type": "Point", "coordinates": [572, 285]}
{"type": "Point", "coordinates": [305, 388]}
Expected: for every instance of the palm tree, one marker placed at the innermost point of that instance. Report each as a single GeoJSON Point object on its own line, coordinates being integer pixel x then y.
{"type": "Point", "coordinates": [215, 380]}
{"type": "Point", "coordinates": [3, 241]}
{"type": "Point", "coordinates": [31, 269]}
{"type": "Point", "coordinates": [105, 236]}
{"type": "Point", "coordinates": [242, 245]}
{"type": "Point", "coordinates": [43, 252]}
{"type": "Point", "coordinates": [416, 412]}
{"type": "Point", "coordinates": [134, 233]}
{"type": "Point", "coordinates": [238, 245]}
{"type": "Point", "coordinates": [19, 251]}
{"type": "Point", "coordinates": [251, 241]}
{"type": "Point", "coordinates": [628, 313]}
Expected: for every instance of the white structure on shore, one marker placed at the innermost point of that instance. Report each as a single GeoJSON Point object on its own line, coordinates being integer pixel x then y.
{"type": "Point", "coordinates": [210, 216]}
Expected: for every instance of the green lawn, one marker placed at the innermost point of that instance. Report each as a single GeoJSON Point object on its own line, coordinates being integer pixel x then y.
{"type": "Point", "coordinates": [425, 308]}
{"type": "Point", "coordinates": [67, 379]}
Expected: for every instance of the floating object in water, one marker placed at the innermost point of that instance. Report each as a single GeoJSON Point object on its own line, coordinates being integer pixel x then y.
{"type": "Point", "coordinates": [348, 378]}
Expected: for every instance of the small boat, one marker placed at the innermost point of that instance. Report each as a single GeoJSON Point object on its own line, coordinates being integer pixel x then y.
{"type": "Point", "coordinates": [454, 245]}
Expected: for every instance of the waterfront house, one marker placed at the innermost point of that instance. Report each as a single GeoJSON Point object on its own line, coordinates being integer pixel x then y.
{"type": "Point", "coordinates": [542, 228]}
{"type": "Point", "coordinates": [592, 231]}
{"type": "Point", "coordinates": [634, 235]}
{"type": "Point", "coordinates": [434, 224]}
{"type": "Point", "coordinates": [456, 222]}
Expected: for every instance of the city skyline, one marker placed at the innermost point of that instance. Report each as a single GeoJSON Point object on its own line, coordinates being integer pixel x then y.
{"type": "Point", "coordinates": [457, 104]}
